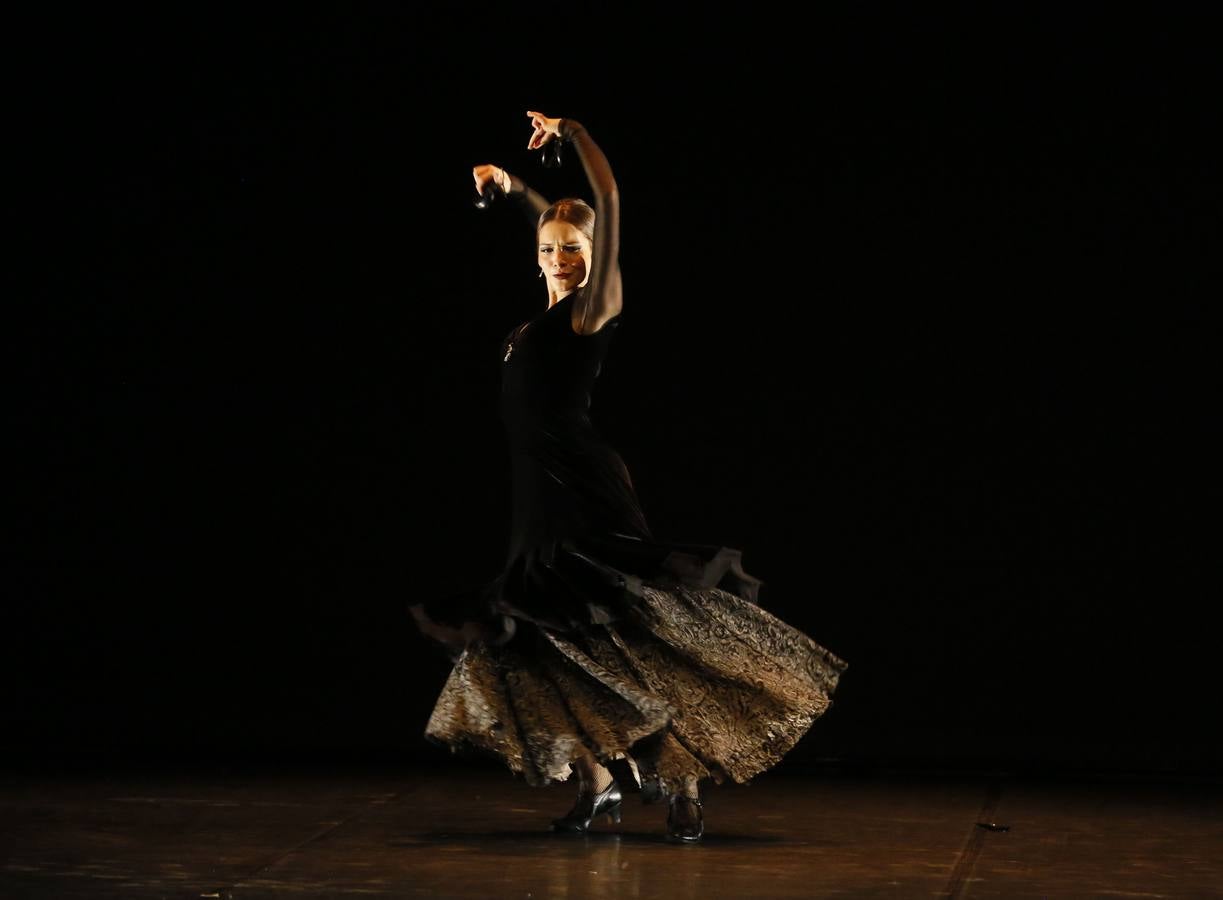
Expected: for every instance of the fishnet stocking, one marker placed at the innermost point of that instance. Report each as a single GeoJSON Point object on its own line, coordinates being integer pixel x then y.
{"type": "Point", "coordinates": [592, 777]}
{"type": "Point", "coordinates": [691, 790]}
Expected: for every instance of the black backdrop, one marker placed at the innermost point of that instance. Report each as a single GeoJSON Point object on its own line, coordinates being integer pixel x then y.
{"type": "Point", "coordinates": [915, 316]}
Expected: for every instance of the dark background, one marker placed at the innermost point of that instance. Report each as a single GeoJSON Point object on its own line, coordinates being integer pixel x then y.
{"type": "Point", "coordinates": [916, 316]}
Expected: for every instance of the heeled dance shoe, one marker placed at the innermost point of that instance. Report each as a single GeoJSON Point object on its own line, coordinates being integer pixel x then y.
{"type": "Point", "coordinates": [589, 807]}
{"type": "Point", "coordinates": [685, 826]}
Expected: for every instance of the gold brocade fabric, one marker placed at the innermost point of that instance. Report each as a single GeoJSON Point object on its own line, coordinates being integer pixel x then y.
{"type": "Point", "coordinates": [694, 682]}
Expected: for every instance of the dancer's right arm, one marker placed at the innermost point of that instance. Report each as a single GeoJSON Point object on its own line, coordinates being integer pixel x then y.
{"type": "Point", "coordinates": [531, 202]}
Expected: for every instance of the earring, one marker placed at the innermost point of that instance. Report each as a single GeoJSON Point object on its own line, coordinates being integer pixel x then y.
{"type": "Point", "coordinates": [541, 273]}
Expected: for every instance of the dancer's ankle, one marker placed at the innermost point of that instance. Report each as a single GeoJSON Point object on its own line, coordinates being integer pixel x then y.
{"type": "Point", "coordinates": [593, 778]}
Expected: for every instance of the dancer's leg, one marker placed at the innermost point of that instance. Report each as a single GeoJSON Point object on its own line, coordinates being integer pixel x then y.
{"type": "Point", "coordinates": [684, 818]}
{"type": "Point", "coordinates": [593, 778]}
{"type": "Point", "coordinates": [691, 788]}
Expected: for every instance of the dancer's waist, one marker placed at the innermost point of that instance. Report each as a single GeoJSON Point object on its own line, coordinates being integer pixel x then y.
{"type": "Point", "coordinates": [529, 427]}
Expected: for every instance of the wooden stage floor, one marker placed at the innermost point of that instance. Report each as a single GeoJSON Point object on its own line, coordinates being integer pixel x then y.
{"type": "Point", "coordinates": [474, 831]}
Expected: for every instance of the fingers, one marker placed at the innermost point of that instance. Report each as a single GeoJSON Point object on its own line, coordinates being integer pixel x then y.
{"type": "Point", "coordinates": [538, 121]}
{"type": "Point", "coordinates": [538, 139]}
{"type": "Point", "coordinates": [542, 135]}
{"type": "Point", "coordinates": [487, 172]}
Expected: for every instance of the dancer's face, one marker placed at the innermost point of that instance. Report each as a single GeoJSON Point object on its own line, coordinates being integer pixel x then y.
{"type": "Point", "coordinates": [564, 255]}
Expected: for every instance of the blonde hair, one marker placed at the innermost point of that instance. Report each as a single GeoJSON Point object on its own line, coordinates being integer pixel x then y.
{"type": "Point", "coordinates": [574, 210]}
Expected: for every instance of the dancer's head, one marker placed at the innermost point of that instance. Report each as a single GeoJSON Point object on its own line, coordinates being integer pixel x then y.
{"type": "Point", "coordinates": [565, 243]}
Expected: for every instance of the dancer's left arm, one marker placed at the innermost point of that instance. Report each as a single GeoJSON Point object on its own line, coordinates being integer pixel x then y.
{"type": "Point", "coordinates": [605, 294]}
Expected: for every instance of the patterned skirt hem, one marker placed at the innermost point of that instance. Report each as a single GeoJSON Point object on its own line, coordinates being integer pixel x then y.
{"type": "Point", "coordinates": [696, 682]}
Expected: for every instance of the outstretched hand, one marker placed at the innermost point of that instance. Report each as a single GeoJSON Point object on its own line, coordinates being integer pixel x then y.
{"type": "Point", "coordinates": [545, 129]}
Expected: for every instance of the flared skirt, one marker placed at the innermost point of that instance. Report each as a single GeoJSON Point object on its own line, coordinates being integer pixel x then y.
{"type": "Point", "coordinates": [689, 682]}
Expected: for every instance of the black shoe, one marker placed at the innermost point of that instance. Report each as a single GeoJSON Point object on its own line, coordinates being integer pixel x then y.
{"type": "Point", "coordinates": [687, 824]}
{"type": "Point", "coordinates": [589, 807]}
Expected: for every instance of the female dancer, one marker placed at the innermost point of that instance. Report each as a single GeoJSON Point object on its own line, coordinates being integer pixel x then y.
{"type": "Point", "coordinates": [600, 647]}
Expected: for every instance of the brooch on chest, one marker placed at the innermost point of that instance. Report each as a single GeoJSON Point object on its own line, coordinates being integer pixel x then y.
{"type": "Point", "coordinates": [517, 334]}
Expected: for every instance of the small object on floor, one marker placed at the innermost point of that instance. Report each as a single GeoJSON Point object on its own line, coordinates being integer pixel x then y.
{"type": "Point", "coordinates": [590, 807]}
{"type": "Point", "coordinates": [688, 824]}
{"type": "Point", "coordinates": [993, 826]}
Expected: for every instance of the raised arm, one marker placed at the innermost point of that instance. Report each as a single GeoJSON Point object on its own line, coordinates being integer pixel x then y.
{"type": "Point", "coordinates": [532, 203]}
{"type": "Point", "coordinates": [604, 293]}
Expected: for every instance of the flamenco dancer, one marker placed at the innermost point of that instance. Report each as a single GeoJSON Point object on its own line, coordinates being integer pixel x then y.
{"type": "Point", "coordinates": [644, 665]}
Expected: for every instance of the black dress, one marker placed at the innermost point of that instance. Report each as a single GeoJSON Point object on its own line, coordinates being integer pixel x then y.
{"type": "Point", "coordinates": [596, 634]}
